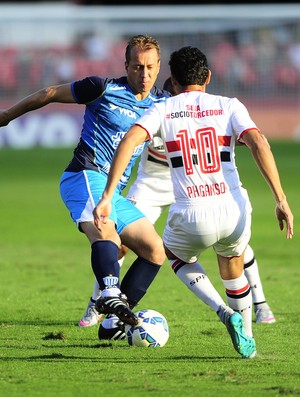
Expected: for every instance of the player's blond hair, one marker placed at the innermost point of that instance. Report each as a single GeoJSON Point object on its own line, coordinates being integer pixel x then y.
{"type": "Point", "coordinates": [142, 42]}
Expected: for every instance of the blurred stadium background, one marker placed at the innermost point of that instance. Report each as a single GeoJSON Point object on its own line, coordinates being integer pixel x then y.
{"type": "Point", "coordinates": [253, 51]}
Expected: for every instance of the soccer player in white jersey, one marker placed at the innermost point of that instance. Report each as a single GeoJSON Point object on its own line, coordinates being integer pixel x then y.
{"type": "Point", "coordinates": [211, 207]}
{"type": "Point", "coordinates": [152, 197]}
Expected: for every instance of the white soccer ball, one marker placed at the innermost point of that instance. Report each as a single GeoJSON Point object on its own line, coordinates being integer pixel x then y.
{"type": "Point", "coordinates": [152, 330]}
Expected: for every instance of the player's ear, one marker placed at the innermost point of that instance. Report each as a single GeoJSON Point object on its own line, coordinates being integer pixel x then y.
{"type": "Point", "coordinates": [126, 66]}
{"type": "Point", "coordinates": [208, 77]}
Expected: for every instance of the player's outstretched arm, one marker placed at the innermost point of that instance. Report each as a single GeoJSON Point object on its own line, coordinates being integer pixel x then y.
{"type": "Point", "coordinates": [264, 158]}
{"type": "Point", "coordinates": [61, 94]}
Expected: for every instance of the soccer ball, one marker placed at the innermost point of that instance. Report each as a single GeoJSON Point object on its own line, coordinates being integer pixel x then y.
{"type": "Point", "coordinates": [152, 330]}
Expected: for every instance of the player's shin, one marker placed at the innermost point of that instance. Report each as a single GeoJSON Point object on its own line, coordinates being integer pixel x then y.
{"type": "Point", "coordinates": [253, 277]}
{"type": "Point", "coordinates": [240, 300]}
{"type": "Point", "coordinates": [105, 264]}
{"type": "Point", "coordinates": [138, 279]}
{"type": "Point", "coordinates": [195, 278]}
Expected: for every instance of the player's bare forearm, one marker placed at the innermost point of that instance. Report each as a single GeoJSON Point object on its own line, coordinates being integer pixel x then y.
{"type": "Point", "coordinates": [35, 101]}
{"type": "Point", "coordinates": [119, 163]}
{"type": "Point", "coordinates": [266, 163]}
{"type": "Point", "coordinates": [27, 104]}
{"type": "Point", "coordinates": [135, 136]}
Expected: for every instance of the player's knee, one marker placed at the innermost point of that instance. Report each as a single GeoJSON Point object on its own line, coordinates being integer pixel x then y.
{"type": "Point", "coordinates": [157, 252]}
{"type": "Point", "coordinates": [123, 251]}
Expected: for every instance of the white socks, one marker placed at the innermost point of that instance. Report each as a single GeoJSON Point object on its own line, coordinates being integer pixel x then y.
{"type": "Point", "coordinates": [237, 290]}
{"type": "Point", "coordinates": [252, 274]}
{"type": "Point", "coordinates": [96, 291]}
{"type": "Point", "coordinates": [240, 300]}
{"type": "Point", "coordinates": [194, 277]}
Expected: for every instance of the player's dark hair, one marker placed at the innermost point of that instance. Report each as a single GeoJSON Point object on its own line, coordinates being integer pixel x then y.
{"type": "Point", "coordinates": [142, 42]}
{"type": "Point", "coordinates": [168, 86]}
{"type": "Point", "coordinates": [189, 66]}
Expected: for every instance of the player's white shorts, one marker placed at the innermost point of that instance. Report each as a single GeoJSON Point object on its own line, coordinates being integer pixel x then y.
{"type": "Point", "coordinates": [224, 224]}
{"type": "Point", "coordinates": [151, 196]}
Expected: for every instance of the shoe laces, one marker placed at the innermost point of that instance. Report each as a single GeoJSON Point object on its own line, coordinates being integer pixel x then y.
{"type": "Point", "coordinates": [90, 311]}
{"type": "Point", "coordinates": [118, 323]}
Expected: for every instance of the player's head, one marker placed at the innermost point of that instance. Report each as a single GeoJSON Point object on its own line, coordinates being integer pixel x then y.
{"type": "Point", "coordinates": [189, 66]}
{"type": "Point", "coordinates": [142, 63]}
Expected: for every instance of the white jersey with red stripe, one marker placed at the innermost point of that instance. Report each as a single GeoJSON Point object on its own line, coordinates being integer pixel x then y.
{"type": "Point", "coordinates": [154, 160]}
{"type": "Point", "coordinates": [199, 131]}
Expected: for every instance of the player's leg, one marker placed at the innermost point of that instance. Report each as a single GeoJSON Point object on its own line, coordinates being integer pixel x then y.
{"type": "Point", "coordinates": [237, 288]}
{"type": "Point", "coordinates": [106, 268]}
{"type": "Point", "coordinates": [139, 235]}
{"type": "Point", "coordinates": [261, 308]}
{"type": "Point", "coordinates": [80, 191]}
{"type": "Point", "coordinates": [91, 316]}
{"type": "Point", "coordinates": [239, 300]}
{"type": "Point", "coordinates": [196, 280]}
{"type": "Point", "coordinates": [194, 277]}
{"type": "Point", "coordinates": [188, 233]}
{"type": "Point", "coordinates": [230, 249]}
{"type": "Point", "coordinates": [147, 199]}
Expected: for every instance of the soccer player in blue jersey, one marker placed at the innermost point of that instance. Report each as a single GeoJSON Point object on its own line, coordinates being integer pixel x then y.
{"type": "Point", "coordinates": [112, 105]}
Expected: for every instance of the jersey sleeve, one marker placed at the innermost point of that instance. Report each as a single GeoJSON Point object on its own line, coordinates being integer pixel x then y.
{"type": "Point", "coordinates": [241, 120]}
{"type": "Point", "coordinates": [151, 120]}
{"type": "Point", "coordinates": [88, 89]}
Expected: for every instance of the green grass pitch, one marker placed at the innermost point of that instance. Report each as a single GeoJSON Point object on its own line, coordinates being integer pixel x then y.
{"type": "Point", "coordinates": [46, 281]}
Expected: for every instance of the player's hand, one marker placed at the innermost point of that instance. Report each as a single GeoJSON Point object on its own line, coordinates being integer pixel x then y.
{"type": "Point", "coordinates": [284, 215]}
{"type": "Point", "coordinates": [101, 212]}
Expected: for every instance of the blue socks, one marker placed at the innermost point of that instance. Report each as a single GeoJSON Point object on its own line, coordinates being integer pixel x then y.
{"type": "Point", "coordinates": [105, 262]}
{"type": "Point", "coordinates": [137, 280]}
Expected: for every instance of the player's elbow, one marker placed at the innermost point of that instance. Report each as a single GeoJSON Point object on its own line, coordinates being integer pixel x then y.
{"type": "Point", "coordinates": [255, 140]}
